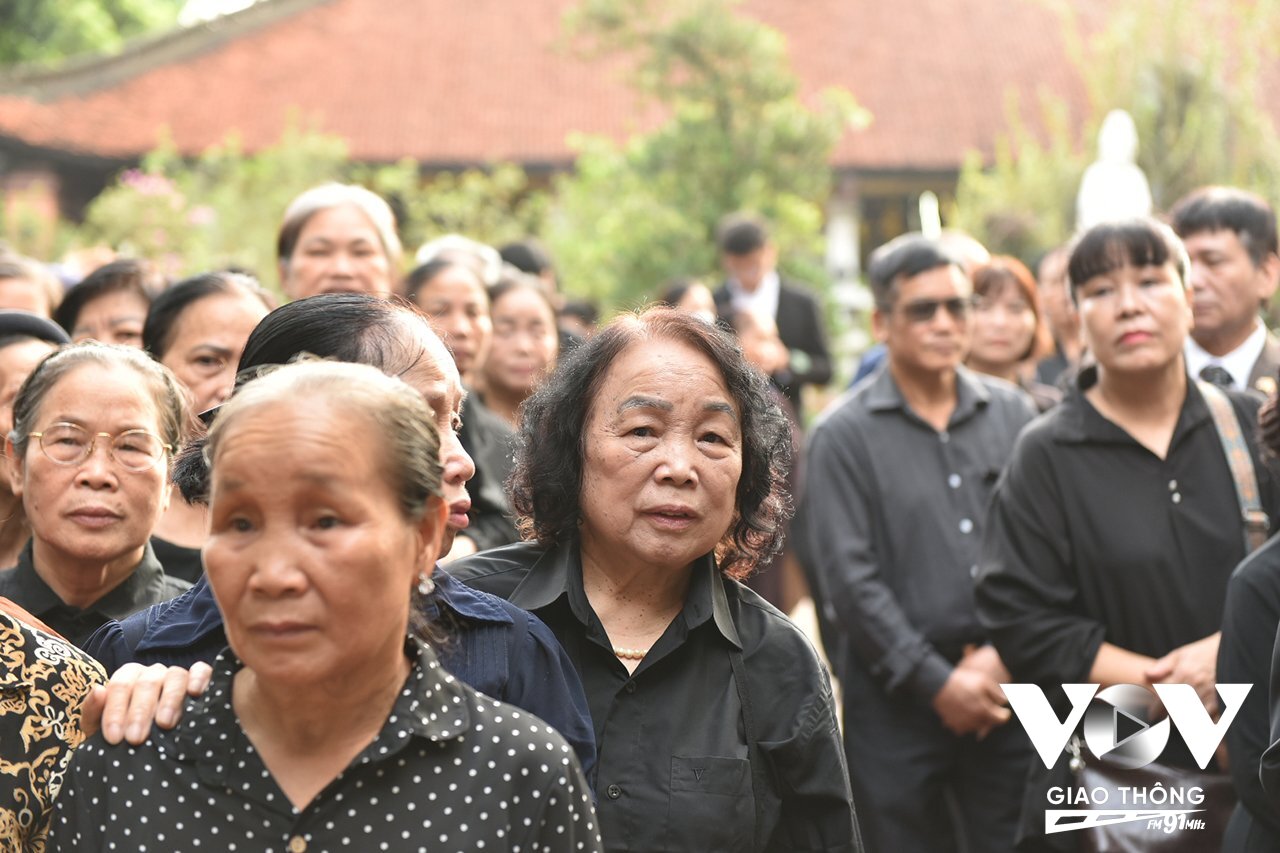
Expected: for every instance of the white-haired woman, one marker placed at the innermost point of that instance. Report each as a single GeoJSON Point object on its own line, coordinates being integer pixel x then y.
{"type": "Point", "coordinates": [338, 238]}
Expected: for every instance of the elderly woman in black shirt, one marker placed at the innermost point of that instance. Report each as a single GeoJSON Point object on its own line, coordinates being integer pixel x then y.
{"type": "Point", "coordinates": [650, 471]}
{"type": "Point", "coordinates": [94, 429]}
{"type": "Point", "coordinates": [329, 723]}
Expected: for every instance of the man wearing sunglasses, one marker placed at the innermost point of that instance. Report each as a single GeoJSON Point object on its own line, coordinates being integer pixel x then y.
{"type": "Point", "coordinates": [898, 476]}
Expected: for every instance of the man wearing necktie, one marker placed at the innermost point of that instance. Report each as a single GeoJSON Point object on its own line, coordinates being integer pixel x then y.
{"type": "Point", "coordinates": [1230, 237]}
{"type": "Point", "coordinates": [1216, 374]}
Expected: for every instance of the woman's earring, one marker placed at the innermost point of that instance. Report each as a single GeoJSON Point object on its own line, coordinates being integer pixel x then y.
{"type": "Point", "coordinates": [426, 585]}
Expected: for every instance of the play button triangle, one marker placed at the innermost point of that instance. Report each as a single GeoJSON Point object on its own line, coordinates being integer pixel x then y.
{"type": "Point", "coordinates": [1127, 726]}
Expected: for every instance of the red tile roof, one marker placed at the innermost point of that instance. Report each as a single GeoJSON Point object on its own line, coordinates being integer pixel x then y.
{"type": "Point", "coordinates": [449, 82]}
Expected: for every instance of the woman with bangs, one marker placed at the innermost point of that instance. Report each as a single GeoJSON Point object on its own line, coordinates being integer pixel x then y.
{"type": "Point", "coordinates": [1116, 525]}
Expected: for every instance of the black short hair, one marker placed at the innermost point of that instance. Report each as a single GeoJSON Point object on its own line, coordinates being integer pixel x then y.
{"type": "Point", "coordinates": [547, 481]}
{"type": "Point", "coordinates": [171, 304]}
{"type": "Point", "coordinates": [902, 258]}
{"type": "Point", "coordinates": [1217, 208]}
{"type": "Point", "coordinates": [123, 275]}
{"type": "Point", "coordinates": [584, 309]}
{"type": "Point", "coordinates": [675, 289]}
{"type": "Point", "coordinates": [528, 256]}
{"type": "Point", "coordinates": [1110, 246]}
{"type": "Point", "coordinates": [741, 234]}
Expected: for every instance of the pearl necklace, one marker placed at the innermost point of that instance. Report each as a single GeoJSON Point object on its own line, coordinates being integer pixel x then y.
{"type": "Point", "coordinates": [630, 654]}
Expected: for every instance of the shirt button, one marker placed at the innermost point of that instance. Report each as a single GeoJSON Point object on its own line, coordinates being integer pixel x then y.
{"type": "Point", "coordinates": [966, 526]}
{"type": "Point", "coordinates": [1173, 485]}
{"type": "Point", "coordinates": [944, 437]}
{"type": "Point", "coordinates": [631, 687]}
{"type": "Point", "coordinates": [973, 570]}
{"type": "Point", "coordinates": [1177, 498]}
{"type": "Point", "coordinates": [297, 844]}
{"type": "Point", "coordinates": [954, 481]}
{"type": "Point", "coordinates": [614, 792]}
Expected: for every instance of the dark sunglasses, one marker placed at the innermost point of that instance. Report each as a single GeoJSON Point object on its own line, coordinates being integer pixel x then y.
{"type": "Point", "coordinates": [922, 310]}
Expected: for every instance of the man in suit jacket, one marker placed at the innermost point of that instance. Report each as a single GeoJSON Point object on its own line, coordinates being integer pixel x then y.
{"type": "Point", "coordinates": [1231, 239]}
{"type": "Point", "coordinates": [752, 284]}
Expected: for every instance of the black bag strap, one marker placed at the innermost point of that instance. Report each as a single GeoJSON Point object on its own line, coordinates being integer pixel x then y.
{"type": "Point", "coordinates": [758, 777]}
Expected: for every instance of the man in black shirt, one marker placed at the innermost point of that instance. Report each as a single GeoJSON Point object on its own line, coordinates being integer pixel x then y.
{"type": "Point", "coordinates": [899, 473]}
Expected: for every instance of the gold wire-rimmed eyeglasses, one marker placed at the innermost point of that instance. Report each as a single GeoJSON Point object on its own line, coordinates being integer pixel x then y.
{"type": "Point", "coordinates": [133, 449]}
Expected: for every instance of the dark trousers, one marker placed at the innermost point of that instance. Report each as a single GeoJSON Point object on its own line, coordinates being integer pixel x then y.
{"type": "Point", "coordinates": [914, 781]}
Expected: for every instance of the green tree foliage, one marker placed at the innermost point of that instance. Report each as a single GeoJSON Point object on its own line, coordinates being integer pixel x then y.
{"type": "Point", "coordinates": [737, 136]}
{"type": "Point", "coordinates": [1190, 75]}
{"type": "Point", "coordinates": [224, 207]}
{"type": "Point", "coordinates": [495, 205]}
{"type": "Point", "coordinates": [37, 31]}
{"type": "Point", "coordinates": [1023, 202]}
{"type": "Point", "coordinates": [221, 209]}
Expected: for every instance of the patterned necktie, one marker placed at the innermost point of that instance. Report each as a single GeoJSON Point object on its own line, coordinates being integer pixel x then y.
{"type": "Point", "coordinates": [1216, 374]}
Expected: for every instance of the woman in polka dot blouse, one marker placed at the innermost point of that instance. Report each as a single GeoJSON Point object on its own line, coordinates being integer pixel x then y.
{"type": "Point", "coordinates": [329, 725]}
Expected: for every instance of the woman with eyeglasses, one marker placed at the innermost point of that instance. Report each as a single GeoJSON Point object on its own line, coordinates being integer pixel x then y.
{"type": "Point", "coordinates": [94, 428]}
{"type": "Point", "coordinates": [524, 349]}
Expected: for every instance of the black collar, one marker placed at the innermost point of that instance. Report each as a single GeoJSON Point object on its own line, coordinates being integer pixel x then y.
{"type": "Point", "coordinates": [143, 586]}
{"type": "Point", "coordinates": [211, 736]}
{"type": "Point", "coordinates": [557, 574]}
{"type": "Point", "coordinates": [1077, 421]}
{"type": "Point", "coordinates": [971, 395]}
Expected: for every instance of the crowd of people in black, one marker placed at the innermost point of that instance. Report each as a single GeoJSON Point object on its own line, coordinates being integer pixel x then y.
{"type": "Point", "coordinates": [436, 562]}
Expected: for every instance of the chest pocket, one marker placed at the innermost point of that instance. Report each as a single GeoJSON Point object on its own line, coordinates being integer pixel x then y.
{"type": "Point", "coordinates": [711, 807]}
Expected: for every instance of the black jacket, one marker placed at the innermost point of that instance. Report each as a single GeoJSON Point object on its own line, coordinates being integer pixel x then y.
{"type": "Point", "coordinates": [801, 328]}
{"type": "Point", "coordinates": [676, 770]}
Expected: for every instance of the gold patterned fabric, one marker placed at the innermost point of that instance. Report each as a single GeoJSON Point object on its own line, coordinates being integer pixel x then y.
{"type": "Point", "coordinates": [43, 681]}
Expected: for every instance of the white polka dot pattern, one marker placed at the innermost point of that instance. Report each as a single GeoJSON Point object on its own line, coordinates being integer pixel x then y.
{"type": "Point", "coordinates": [451, 770]}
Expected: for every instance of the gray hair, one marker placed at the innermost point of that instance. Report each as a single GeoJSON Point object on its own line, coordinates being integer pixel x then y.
{"type": "Point", "coordinates": [401, 420]}
{"type": "Point", "coordinates": [170, 401]}
{"type": "Point", "coordinates": [482, 258]}
{"type": "Point", "coordinates": [23, 268]}
{"type": "Point", "coordinates": [331, 195]}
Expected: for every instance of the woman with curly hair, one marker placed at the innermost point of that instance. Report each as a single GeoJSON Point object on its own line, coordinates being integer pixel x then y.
{"type": "Point", "coordinates": [649, 476]}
